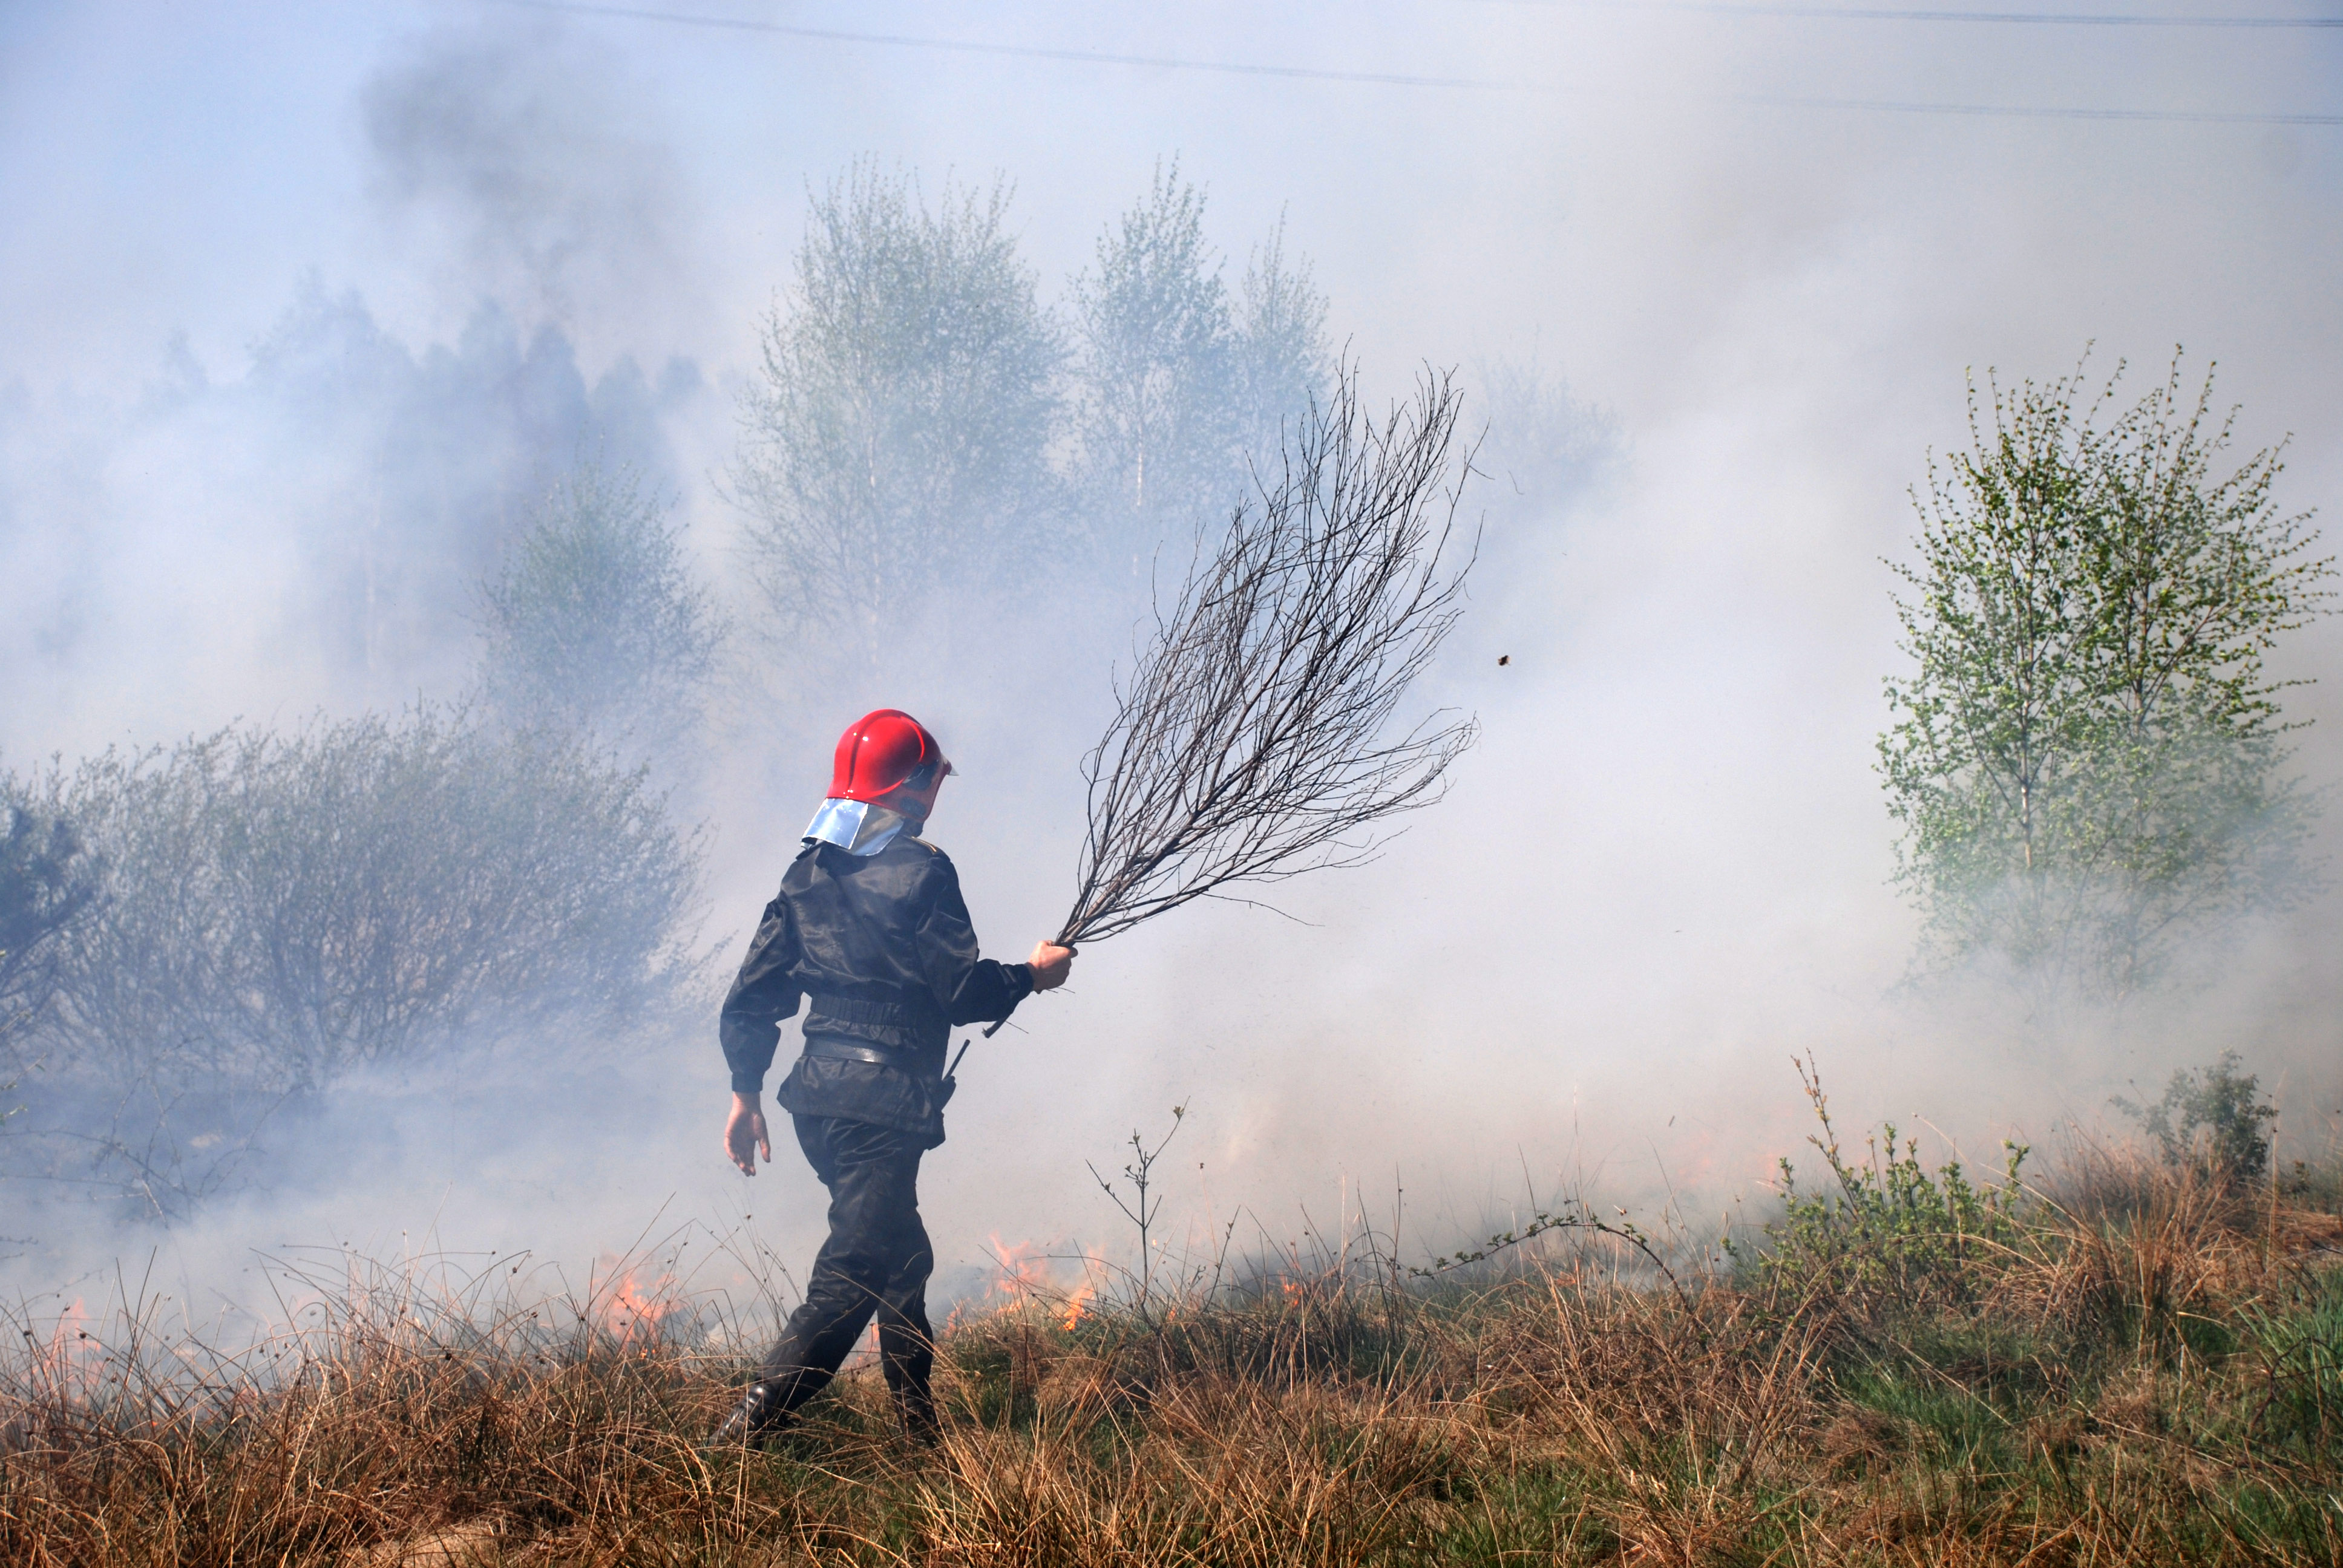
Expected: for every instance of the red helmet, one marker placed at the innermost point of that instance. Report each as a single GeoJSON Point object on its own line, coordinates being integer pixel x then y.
{"type": "Point", "coordinates": [879, 751]}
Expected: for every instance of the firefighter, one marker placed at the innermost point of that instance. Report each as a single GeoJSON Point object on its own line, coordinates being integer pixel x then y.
{"type": "Point", "coordinates": [868, 930]}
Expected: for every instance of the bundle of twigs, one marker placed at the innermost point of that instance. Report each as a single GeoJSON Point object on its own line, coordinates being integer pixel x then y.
{"type": "Point", "coordinates": [1257, 738]}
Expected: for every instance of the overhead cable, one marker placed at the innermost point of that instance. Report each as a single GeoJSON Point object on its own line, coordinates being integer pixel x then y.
{"type": "Point", "coordinates": [1898, 14]}
{"type": "Point", "coordinates": [1394, 79]}
{"type": "Point", "coordinates": [1024, 51]}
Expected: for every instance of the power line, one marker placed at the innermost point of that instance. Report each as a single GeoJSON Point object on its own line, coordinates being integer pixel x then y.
{"type": "Point", "coordinates": [1024, 51]}
{"type": "Point", "coordinates": [1885, 14]}
{"type": "Point", "coordinates": [2001, 111]}
{"type": "Point", "coordinates": [1390, 79]}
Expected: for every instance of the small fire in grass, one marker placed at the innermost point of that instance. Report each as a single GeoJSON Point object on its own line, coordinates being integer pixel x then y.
{"type": "Point", "coordinates": [71, 1347]}
{"type": "Point", "coordinates": [1081, 1298]}
{"type": "Point", "coordinates": [1024, 1273]}
{"type": "Point", "coordinates": [1064, 1283]}
{"type": "Point", "coordinates": [630, 1309]}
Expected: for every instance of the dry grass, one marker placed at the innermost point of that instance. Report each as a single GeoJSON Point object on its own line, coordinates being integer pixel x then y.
{"type": "Point", "coordinates": [2147, 1373]}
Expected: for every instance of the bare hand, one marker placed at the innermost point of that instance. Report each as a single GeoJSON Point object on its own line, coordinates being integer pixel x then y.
{"type": "Point", "coordinates": [744, 1134]}
{"type": "Point", "coordinates": [1050, 964]}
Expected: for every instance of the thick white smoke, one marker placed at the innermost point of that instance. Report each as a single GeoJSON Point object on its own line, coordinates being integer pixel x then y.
{"type": "Point", "coordinates": [228, 490]}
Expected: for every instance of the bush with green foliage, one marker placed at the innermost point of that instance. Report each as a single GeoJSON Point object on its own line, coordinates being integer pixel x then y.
{"type": "Point", "coordinates": [2087, 761]}
{"type": "Point", "coordinates": [2213, 1119]}
{"type": "Point", "coordinates": [1887, 1234]}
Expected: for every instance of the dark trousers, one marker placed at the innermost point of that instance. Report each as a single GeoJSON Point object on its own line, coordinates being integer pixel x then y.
{"type": "Point", "coordinates": [877, 1259]}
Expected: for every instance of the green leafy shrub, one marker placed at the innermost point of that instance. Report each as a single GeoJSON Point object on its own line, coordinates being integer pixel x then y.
{"type": "Point", "coordinates": [2315, 1184]}
{"type": "Point", "coordinates": [2210, 1117]}
{"type": "Point", "coordinates": [1888, 1233]}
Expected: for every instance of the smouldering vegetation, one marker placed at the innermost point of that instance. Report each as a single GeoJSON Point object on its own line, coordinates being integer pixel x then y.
{"type": "Point", "coordinates": [2135, 1360]}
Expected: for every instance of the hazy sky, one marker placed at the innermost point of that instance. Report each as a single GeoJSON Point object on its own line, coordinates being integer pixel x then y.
{"type": "Point", "coordinates": [1663, 873]}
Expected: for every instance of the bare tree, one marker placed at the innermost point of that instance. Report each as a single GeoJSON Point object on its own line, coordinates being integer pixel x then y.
{"type": "Point", "coordinates": [48, 879]}
{"type": "Point", "coordinates": [1256, 739]}
{"type": "Point", "coordinates": [280, 907]}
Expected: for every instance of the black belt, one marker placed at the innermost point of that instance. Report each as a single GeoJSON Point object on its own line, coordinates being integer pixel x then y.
{"type": "Point", "coordinates": [839, 1051]}
{"type": "Point", "coordinates": [848, 1009]}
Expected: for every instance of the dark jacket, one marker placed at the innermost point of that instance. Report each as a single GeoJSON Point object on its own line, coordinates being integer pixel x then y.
{"type": "Point", "coordinates": [882, 945]}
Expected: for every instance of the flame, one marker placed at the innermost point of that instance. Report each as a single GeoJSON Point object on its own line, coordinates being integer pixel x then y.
{"type": "Point", "coordinates": [1031, 1273]}
{"type": "Point", "coordinates": [1074, 1304]}
{"type": "Point", "coordinates": [73, 1355]}
{"type": "Point", "coordinates": [70, 1343]}
{"type": "Point", "coordinates": [1024, 1272]}
{"type": "Point", "coordinates": [631, 1311]}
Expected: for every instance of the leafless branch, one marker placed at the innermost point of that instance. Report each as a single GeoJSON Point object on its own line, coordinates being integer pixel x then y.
{"type": "Point", "coordinates": [1252, 740]}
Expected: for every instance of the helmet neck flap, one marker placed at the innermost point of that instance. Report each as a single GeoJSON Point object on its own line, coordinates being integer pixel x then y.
{"type": "Point", "coordinates": [857, 827]}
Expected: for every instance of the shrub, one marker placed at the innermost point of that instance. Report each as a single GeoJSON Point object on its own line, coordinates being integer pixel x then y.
{"type": "Point", "coordinates": [281, 908]}
{"type": "Point", "coordinates": [2212, 1118]}
{"type": "Point", "coordinates": [1887, 1234]}
{"type": "Point", "coordinates": [277, 909]}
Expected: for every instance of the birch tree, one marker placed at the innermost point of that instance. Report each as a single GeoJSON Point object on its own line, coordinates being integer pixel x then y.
{"type": "Point", "coordinates": [1183, 386]}
{"type": "Point", "coordinates": [896, 438]}
{"type": "Point", "coordinates": [1156, 423]}
{"type": "Point", "coordinates": [2089, 758]}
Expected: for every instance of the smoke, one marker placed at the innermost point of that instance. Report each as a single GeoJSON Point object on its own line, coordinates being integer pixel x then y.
{"type": "Point", "coordinates": [516, 159]}
{"type": "Point", "coordinates": [1663, 873]}
{"type": "Point", "coordinates": [306, 530]}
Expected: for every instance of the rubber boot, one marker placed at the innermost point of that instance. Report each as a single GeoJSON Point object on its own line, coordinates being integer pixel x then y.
{"type": "Point", "coordinates": [921, 1427]}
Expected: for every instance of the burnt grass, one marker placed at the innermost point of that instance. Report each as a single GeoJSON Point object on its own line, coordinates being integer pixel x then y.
{"type": "Point", "coordinates": [2135, 1364]}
